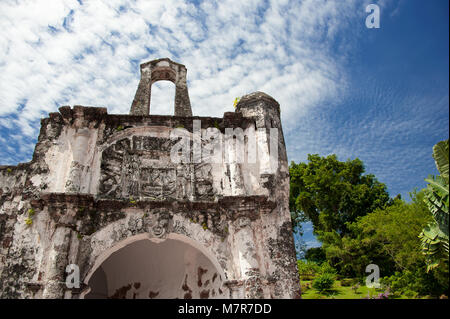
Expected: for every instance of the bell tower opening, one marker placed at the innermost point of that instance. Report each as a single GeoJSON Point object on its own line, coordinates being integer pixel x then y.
{"type": "Point", "coordinates": [157, 70]}
{"type": "Point", "coordinates": [146, 269]}
{"type": "Point", "coordinates": [162, 98]}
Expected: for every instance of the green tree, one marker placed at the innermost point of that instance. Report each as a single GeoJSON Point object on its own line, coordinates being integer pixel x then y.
{"type": "Point", "coordinates": [388, 237]}
{"type": "Point", "coordinates": [435, 235]}
{"type": "Point", "coordinates": [332, 194]}
{"type": "Point", "coordinates": [307, 268]}
{"type": "Point", "coordinates": [316, 255]}
{"type": "Point", "coordinates": [396, 228]}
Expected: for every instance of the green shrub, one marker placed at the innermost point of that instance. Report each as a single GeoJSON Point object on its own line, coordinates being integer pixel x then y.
{"type": "Point", "coordinates": [324, 282]}
{"type": "Point", "coordinates": [355, 288]}
{"type": "Point", "coordinates": [410, 294]}
{"type": "Point", "coordinates": [347, 282]}
{"type": "Point", "coordinates": [417, 283]}
{"type": "Point", "coordinates": [307, 277]}
{"type": "Point", "coordinates": [326, 268]}
{"type": "Point", "coordinates": [307, 269]}
{"type": "Point", "coordinates": [306, 286]}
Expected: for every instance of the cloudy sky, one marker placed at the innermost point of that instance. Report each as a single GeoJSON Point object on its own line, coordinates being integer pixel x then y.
{"type": "Point", "coordinates": [377, 94]}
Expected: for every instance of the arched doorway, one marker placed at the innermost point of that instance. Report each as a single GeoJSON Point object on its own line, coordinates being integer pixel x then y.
{"type": "Point", "coordinates": [145, 268]}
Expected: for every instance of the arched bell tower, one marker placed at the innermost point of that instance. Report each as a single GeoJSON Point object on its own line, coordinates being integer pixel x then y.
{"type": "Point", "coordinates": [162, 70]}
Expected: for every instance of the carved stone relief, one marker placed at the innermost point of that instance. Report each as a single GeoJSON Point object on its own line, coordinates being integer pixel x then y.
{"type": "Point", "coordinates": [140, 167]}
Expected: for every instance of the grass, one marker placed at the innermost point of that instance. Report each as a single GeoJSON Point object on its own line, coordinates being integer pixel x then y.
{"type": "Point", "coordinates": [341, 292]}
{"type": "Point", "coordinates": [338, 291]}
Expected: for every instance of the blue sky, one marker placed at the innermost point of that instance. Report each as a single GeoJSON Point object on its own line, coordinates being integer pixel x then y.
{"type": "Point", "coordinates": [398, 105]}
{"type": "Point", "coordinates": [377, 94]}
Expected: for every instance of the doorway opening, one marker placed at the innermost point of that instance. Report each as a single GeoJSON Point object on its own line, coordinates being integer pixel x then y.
{"type": "Point", "coordinates": [156, 270]}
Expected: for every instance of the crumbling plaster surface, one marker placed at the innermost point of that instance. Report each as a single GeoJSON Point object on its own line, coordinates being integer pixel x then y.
{"type": "Point", "coordinates": [97, 180]}
{"type": "Point", "coordinates": [74, 162]}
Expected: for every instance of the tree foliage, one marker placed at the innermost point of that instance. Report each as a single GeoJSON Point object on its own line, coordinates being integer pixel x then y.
{"type": "Point", "coordinates": [435, 235]}
{"type": "Point", "coordinates": [331, 193]}
{"type": "Point", "coordinates": [395, 228]}
{"type": "Point", "coordinates": [307, 268]}
{"type": "Point", "coordinates": [316, 255]}
{"type": "Point", "coordinates": [358, 224]}
{"type": "Point", "coordinates": [388, 238]}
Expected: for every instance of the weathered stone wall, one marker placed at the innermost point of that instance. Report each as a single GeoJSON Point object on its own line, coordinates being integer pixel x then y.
{"type": "Point", "coordinates": [98, 182]}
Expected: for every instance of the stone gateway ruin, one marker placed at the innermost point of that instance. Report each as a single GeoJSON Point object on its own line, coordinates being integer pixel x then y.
{"type": "Point", "coordinates": [103, 211]}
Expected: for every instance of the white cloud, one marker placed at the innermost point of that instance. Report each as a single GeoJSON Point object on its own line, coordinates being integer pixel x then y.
{"type": "Point", "coordinates": [67, 53]}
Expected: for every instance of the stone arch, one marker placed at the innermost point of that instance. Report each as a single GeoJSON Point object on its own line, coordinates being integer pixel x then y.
{"type": "Point", "coordinates": [175, 266]}
{"type": "Point", "coordinates": [162, 70]}
{"type": "Point", "coordinates": [155, 131]}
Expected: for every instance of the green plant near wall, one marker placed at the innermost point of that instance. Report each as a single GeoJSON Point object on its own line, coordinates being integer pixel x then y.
{"type": "Point", "coordinates": [29, 220]}
{"type": "Point", "coordinates": [434, 237]}
{"type": "Point", "coordinates": [120, 128]}
{"type": "Point", "coordinates": [236, 101]}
